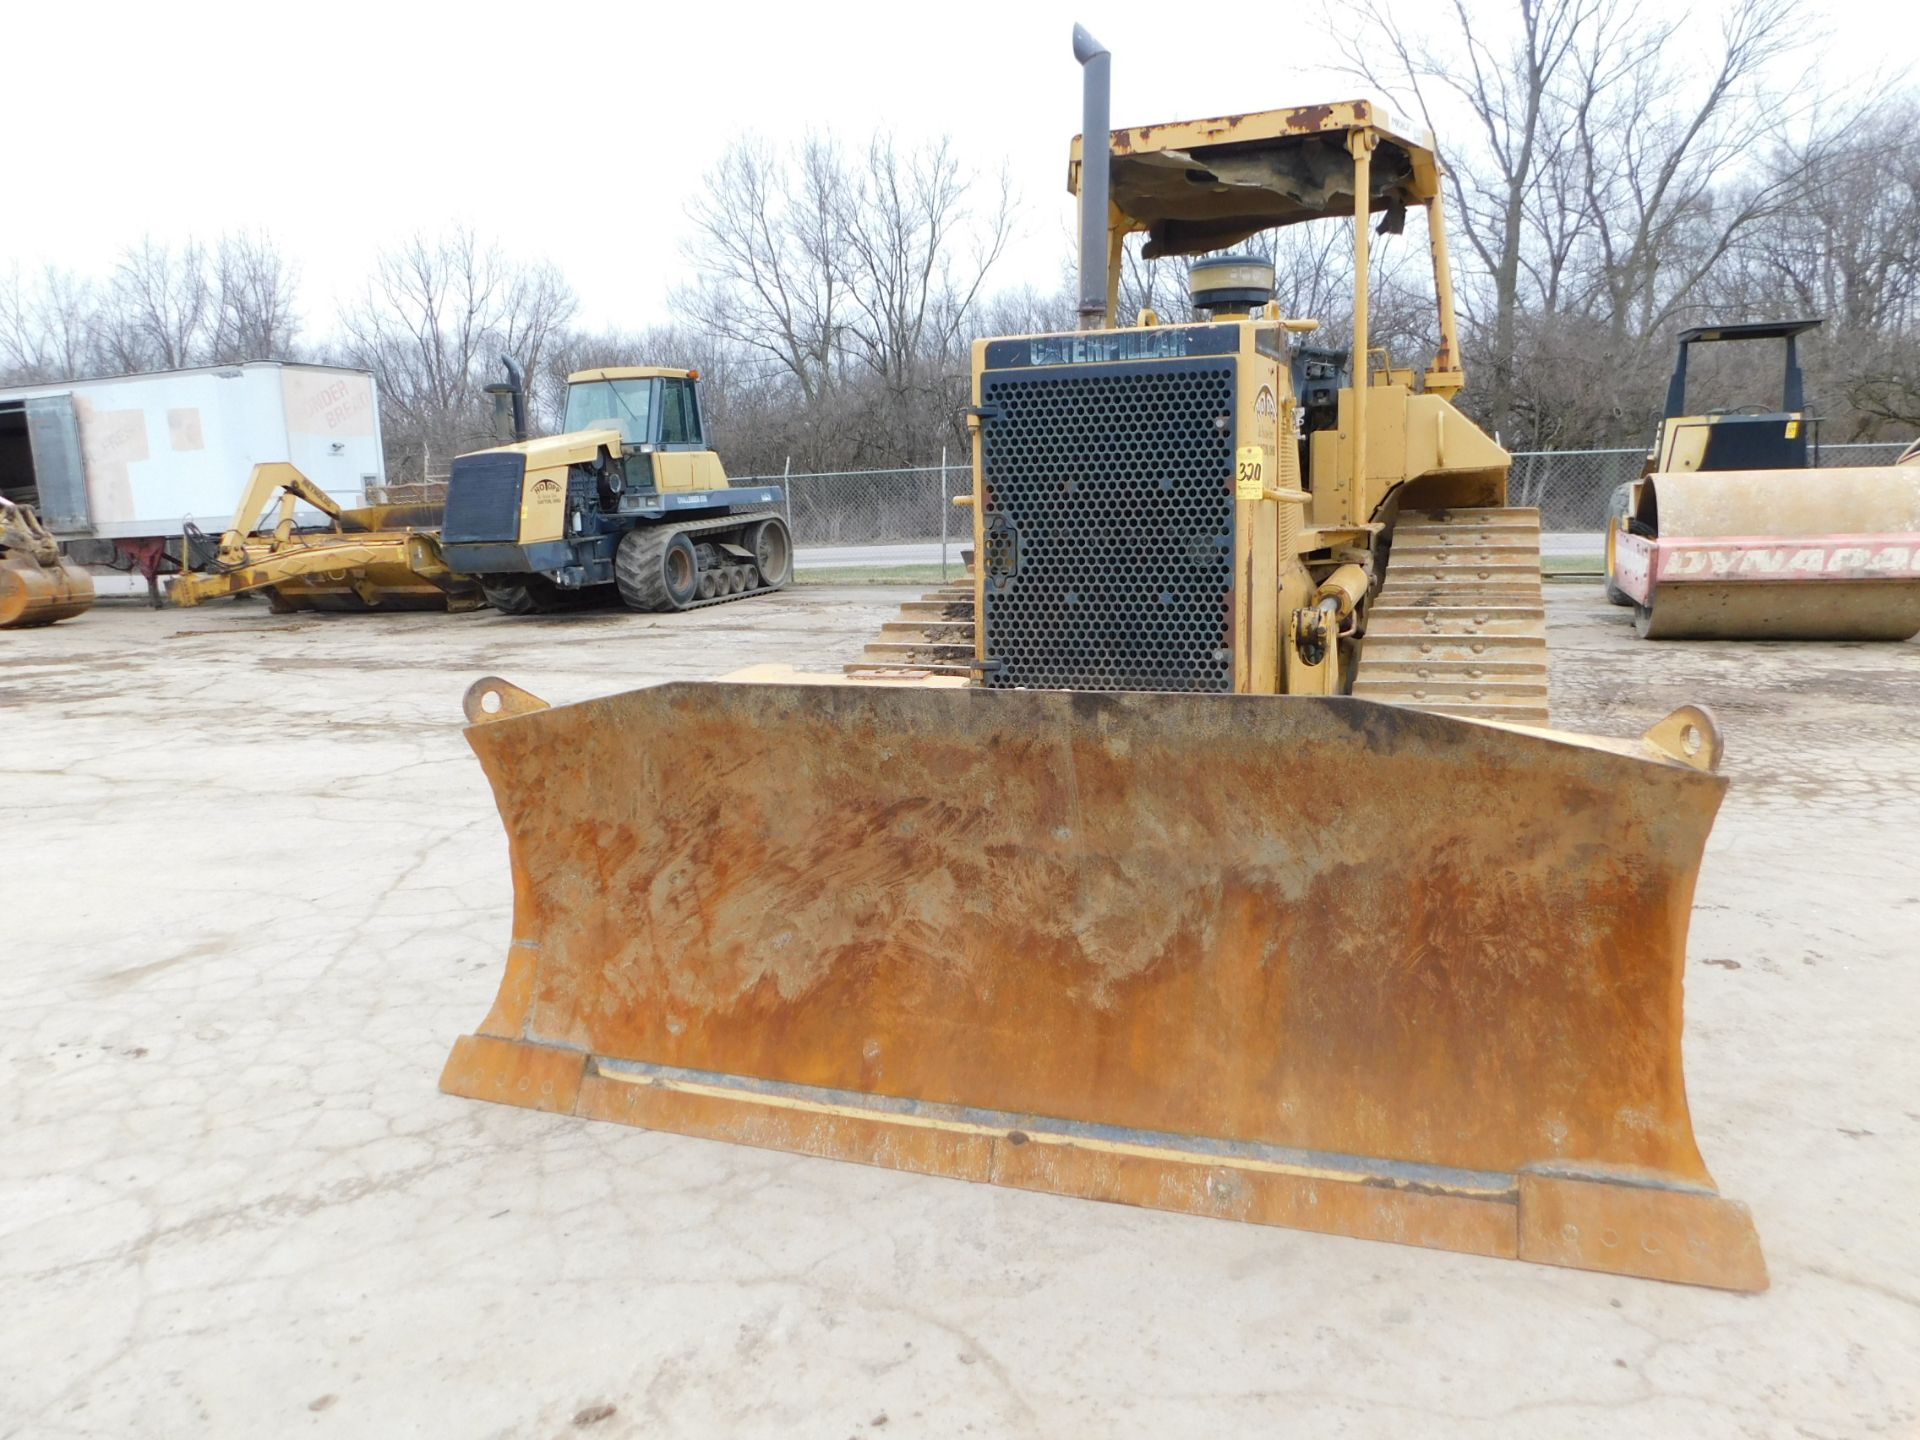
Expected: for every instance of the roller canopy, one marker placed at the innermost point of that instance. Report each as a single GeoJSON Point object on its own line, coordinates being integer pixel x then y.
{"type": "Point", "coordinates": [1750, 330]}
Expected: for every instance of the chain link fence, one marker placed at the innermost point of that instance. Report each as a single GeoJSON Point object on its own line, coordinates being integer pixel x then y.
{"type": "Point", "coordinates": [910, 505]}
{"type": "Point", "coordinates": [1570, 488]}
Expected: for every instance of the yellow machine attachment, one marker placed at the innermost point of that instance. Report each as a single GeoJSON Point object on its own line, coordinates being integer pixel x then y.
{"type": "Point", "coordinates": [1737, 532]}
{"type": "Point", "coordinates": [1265, 949]}
{"type": "Point", "coordinates": [1317, 962]}
{"type": "Point", "coordinates": [376, 557]}
{"type": "Point", "coordinates": [37, 585]}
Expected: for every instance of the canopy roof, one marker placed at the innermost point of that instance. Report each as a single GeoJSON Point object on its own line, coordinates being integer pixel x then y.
{"type": "Point", "coordinates": [1751, 330]}
{"type": "Point", "coordinates": [629, 372]}
{"type": "Point", "coordinates": [1202, 185]}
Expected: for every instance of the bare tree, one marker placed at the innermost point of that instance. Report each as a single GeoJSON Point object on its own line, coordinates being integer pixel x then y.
{"type": "Point", "coordinates": [1025, 310]}
{"type": "Point", "coordinates": [161, 307]}
{"type": "Point", "coordinates": [1507, 78]}
{"type": "Point", "coordinates": [436, 316]}
{"type": "Point", "coordinates": [766, 253]}
{"type": "Point", "coordinates": [254, 292]}
{"type": "Point", "coordinates": [854, 282]}
{"type": "Point", "coordinates": [1849, 252]}
{"type": "Point", "coordinates": [1159, 285]}
{"type": "Point", "coordinates": [914, 254]}
{"type": "Point", "coordinates": [1659, 147]}
{"type": "Point", "coordinates": [48, 327]}
{"type": "Point", "coordinates": [1599, 178]}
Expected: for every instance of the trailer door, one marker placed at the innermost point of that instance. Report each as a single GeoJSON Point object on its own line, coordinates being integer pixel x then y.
{"type": "Point", "coordinates": [59, 471]}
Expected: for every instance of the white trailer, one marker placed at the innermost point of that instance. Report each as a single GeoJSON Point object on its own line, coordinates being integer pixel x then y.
{"type": "Point", "coordinates": [137, 456]}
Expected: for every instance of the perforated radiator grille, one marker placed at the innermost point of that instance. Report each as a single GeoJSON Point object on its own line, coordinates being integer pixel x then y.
{"type": "Point", "coordinates": [483, 498]}
{"type": "Point", "coordinates": [1109, 520]}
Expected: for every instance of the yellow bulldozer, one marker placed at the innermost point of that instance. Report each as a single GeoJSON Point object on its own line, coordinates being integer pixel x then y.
{"type": "Point", "coordinates": [1233, 873]}
{"type": "Point", "coordinates": [38, 585]}
{"type": "Point", "coordinates": [628, 499]}
{"type": "Point", "coordinates": [1736, 531]}
{"type": "Point", "coordinates": [376, 557]}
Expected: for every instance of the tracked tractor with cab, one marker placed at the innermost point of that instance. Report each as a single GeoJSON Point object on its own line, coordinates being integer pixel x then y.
{"type": "Point", "coordinates": [629, 499]}
{"type": "Point", "coordinates": [1233, 872]}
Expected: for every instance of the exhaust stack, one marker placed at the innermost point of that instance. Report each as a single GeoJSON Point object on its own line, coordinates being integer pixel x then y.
{"type": "Point", "coordinates": [510, 402]}
{"type": "Point", "coordinates": [1095, 127]}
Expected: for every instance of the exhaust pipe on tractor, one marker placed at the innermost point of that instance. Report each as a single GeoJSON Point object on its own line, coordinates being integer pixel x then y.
{"type": "Point", "coordinates": [1095, 127]}
{"type": "Point", "coordinates": [509, 403]}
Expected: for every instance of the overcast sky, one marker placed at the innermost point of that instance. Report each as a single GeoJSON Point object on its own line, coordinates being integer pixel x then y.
{"type": "Point", "coordinates": [579, 131]}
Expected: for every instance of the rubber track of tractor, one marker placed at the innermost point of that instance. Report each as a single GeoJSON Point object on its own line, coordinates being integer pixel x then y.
{"type": "Point", "coordinates": [1460, 625]}
{"type": "Point", "coordinates": [695, 528]}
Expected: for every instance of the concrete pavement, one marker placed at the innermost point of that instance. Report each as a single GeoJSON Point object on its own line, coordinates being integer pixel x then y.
{"type": "Point", "coordinates": [254, 887]}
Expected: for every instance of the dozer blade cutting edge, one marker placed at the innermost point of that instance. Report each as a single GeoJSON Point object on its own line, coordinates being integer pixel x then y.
{"type": "Point", "coordinates": [1321, 963]}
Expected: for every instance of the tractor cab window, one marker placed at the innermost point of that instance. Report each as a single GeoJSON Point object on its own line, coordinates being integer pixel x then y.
{"type": "Point", "coordinates": [679, 416]}
{"type": "Point", "coordinates": [625, 405]}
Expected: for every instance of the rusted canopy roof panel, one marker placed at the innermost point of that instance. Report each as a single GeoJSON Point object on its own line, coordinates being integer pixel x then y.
{"type": "Point", "coordinates": [1201, 185]}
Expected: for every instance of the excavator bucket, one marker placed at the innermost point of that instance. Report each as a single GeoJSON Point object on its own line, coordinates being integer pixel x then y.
{"type": "Point", "coordinates": [1322, 963]}
{"type": "Point", "coordinates": [1820, 554]}
{"type": "Point", "coordinates": [37, 584]}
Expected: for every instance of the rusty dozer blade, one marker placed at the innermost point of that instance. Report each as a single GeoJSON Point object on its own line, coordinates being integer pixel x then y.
{"type": "Point", "coordinates": [1321, 963]}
